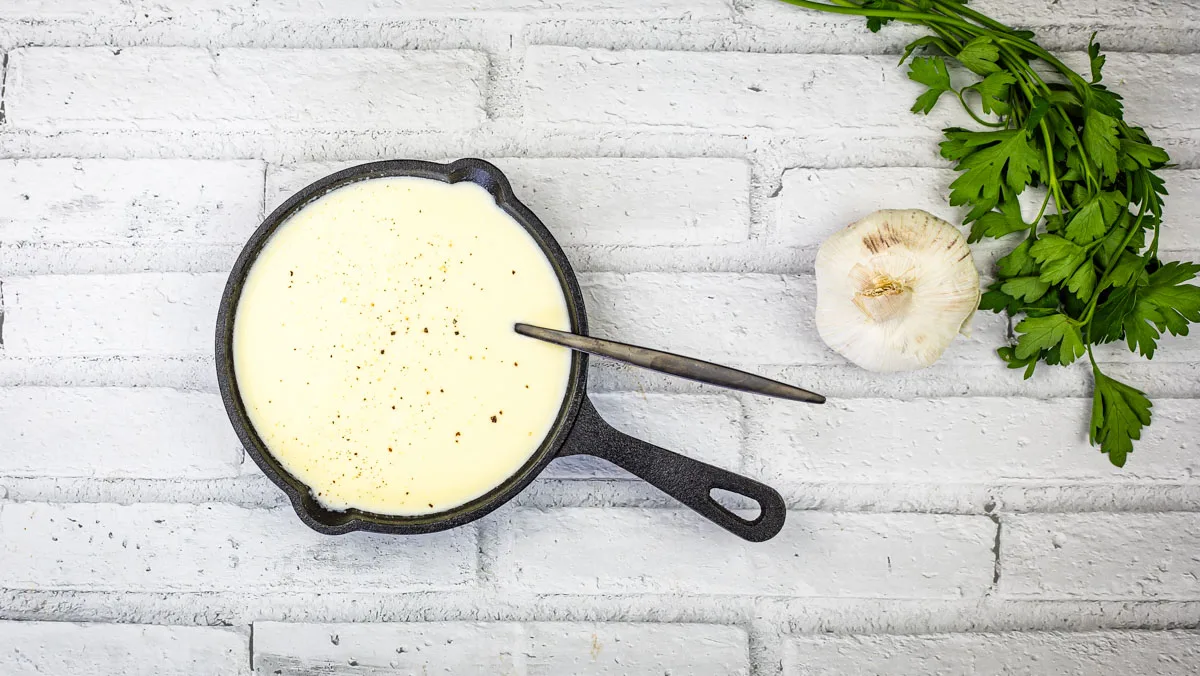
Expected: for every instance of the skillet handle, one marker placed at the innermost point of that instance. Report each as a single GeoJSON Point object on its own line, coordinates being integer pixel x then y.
{"type": "Point", "coordinates": [688, 481]}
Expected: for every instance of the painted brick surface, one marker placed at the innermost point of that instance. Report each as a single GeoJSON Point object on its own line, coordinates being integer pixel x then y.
{"type": "Point", "coordinates": [959, 439]}
{"type": "Point", "coordinates": [177, 88]}
{"type": "Point", "coordinates": [51, 431]}
{"type": "Point", "coordinates": [366, 10]}
{"type": "Point", "coordinates": [139, 201]}
{"type": "Point", "coordinates": [604, 201]}
{"type": "Point", "coordinates": [63, 9]}
{"type": "Point", "coordinates": [609, 551]}
{"type": "Point", "coordinates": [1101, 556]}
{"type": "Point", "coordinates": [524, 649]}
{"type": "Point", "coordinates": [398, 648]}
{"type": "Point", "coordinates": [110, 314]}
{"type": "Point", "coordinates": [1172, 653]}
{"type": "Point", "coordinates": [176, 547]}
{"type": "Point", "coordinates": [719, 91]}
{"type": "Point", "coordinates": [28, 648]}
{"type": "Point", "coordinates": [1091, 14]}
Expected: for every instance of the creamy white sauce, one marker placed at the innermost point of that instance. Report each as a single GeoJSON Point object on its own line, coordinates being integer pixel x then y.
{"type": "Point", "coordinates": [374, 350]}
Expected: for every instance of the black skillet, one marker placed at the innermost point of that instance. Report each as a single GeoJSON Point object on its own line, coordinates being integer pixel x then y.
{"type": "Point", "coordinates": [579, 429]}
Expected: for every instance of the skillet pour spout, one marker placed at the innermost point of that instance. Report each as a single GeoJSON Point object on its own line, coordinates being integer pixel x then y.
{"type": "Point", "coordinates": [577, 429]}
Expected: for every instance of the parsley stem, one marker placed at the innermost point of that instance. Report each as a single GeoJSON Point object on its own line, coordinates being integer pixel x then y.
{"type": "Point", "coordinates": [1059, 200]}
{"type": "Point", "coordinates": [979, 120]}
{"type": "Point", "coordinates": [1045, 202]}
{"type": "Point", "coordinates": [1112, 264]}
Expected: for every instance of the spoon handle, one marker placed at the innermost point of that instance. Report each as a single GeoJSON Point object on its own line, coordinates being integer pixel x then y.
{"type": "Point", "coordinates": [676, 365]}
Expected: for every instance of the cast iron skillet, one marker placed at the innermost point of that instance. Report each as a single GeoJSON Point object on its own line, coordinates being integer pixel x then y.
{"type": "Point", "coordinates": [579, 429]}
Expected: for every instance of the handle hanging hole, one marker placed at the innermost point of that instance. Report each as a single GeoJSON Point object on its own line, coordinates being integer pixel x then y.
{"type": "Point", "coordinates": [744, 507]}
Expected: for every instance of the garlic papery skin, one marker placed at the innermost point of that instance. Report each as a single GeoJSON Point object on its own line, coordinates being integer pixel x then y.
{"type": "Point", "coordinates": [894, 289]}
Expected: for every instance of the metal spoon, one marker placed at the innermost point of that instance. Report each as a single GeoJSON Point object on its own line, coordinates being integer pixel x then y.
{"type": "Point", "coordinates": [676, 365]}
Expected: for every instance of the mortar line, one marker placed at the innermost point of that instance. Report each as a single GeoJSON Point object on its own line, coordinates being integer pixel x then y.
{"type": "Point", "coordinates": [732, 33]}
{"type": "Point", "coordinates": [766, 182]}
{"type": "Point", "coordinates": [996, 551]}
{"type": "Point", "coordinates": [3, 86]}
{"type": "Point", "coordinates": [769, 616]}
{"type": "Point", "coordinates": [262, 205]}
{"type": "Point", "coordinates": [743, 432]}
{"type": "Point", "coordinates": [763, 645]}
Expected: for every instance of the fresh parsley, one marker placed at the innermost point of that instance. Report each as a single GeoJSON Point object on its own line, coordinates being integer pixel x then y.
{"type": "Point", "coordinates": [1082, 272]}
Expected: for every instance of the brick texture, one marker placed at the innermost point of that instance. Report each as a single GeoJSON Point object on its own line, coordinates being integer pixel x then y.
{"type": "Point", "coordinates": [214, 548]}
{"type": "Point", "coordinates": [1172, 653]}
{"type": "Point", "coordinates": [1100, 556]}
{"type": "Point", "coordinates": [528, 649]}
{"type": "Point", "coordinates": [28, 648]}
{"type": "Point", "coordinates": [51, 431]}
{"type": "Point", "coordinates": [168, 201]}
{"type": "Point", "coordinates": [960, 439]}
{"type": "Point", "coordinates": [598, 551]}
{"type": "Point", "coordinates": [157, 88]}
{"type": "Point", "coordinates": [718, 91]}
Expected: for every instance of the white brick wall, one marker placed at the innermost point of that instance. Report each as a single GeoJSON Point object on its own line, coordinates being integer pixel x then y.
{"type": "Point", "coordinates": [530, 649]}
{"type": "Point", "coordinates": [170, 547]}
{"type": "Point", "coordinates": [959, 439]}
{"type": "Point", "coordinates": [143, 201]}
{"type": "Point", "coordinates": [1173, 653]}
{"type": "Point", "coordinates": [596, 551]}
{"type": "Point", "coordinates": [690, 157]}
{"type": "Point", "coordinates": [1111, 556]}
{"type": "Point", "coordinates": [53, 431]}
{"type": "Point", "coordinates": [718, 91]}
{"type": "Point", "coordinates": [131, 314]}
{"type": "Point", "coordinates": [158, 88]}
{"type": "Point", "coordinates": [28, 648]}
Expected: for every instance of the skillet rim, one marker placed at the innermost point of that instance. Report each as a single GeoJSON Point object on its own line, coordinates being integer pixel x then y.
{"type": "Point", "coordinates": [330, 522]}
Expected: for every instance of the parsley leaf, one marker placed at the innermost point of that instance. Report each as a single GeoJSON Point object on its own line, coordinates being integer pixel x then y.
{"type": "Point", "coordinates": [1119, 412]}
{"type": "Point", "coordinates": [987, 161]}
{"type": "Point", "coordinates": [1101, 142]}
{"type": "Point", "coordinates": [1161, 302]}
{"type": "Point", "coordinates": [1044, 333]}
{"type": "Point", "coordinates": [930, 71]}
{"type": "Point", "coordinates": [1090, 221]}
{"type": "Point", "coordinates": [929, 42]}
{"type": "Point", "coordinates": [1059, 257]}
{"type": "Point", "coordinates": [980, 55]}
{"type": "Point", "coordinates": [1143, 154]}
{"type": "Point", "coordinates": [993, 92]}
{"type": "Point", "coordinates": [1095, 58]}
{"type": "Point", "coordinates": [1027, 289]}
{"type": "Point", "coordinates": [874, 23]}
{"type": "Point", "coordinates": [1018, 262]}
{"type": "Point", "coordinates": [1177, 303]}
{"type": "Point", "coordinates": [997, 224]}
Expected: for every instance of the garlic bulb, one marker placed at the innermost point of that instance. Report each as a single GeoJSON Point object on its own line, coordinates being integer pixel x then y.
{"type": "Point", "coordinates": [894, 289]}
